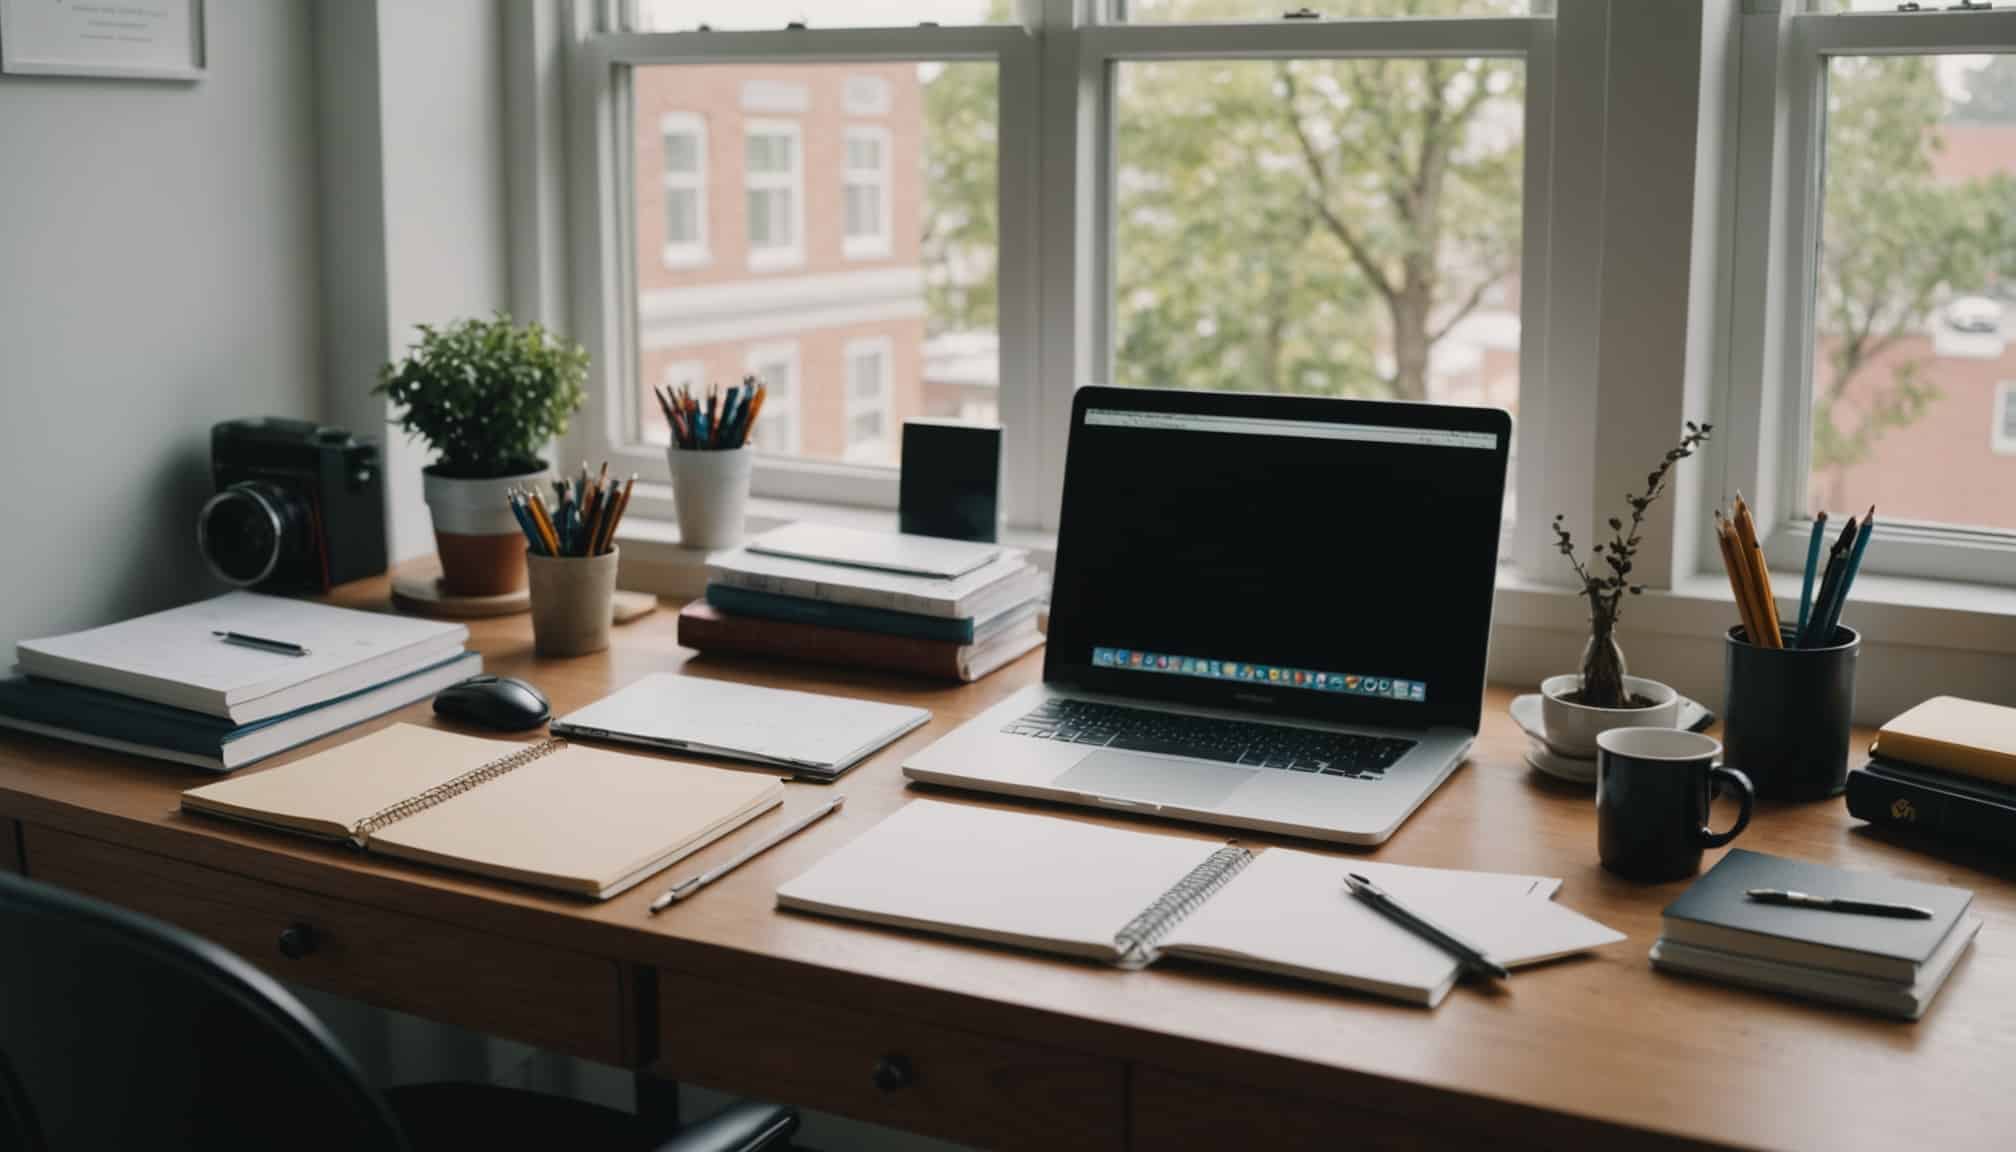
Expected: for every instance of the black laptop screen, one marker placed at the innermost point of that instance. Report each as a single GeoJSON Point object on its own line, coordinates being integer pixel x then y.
{"type": "Point", "coordinates": [1316, 557]}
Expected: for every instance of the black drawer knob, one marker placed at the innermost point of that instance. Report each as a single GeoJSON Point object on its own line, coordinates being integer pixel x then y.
{"type": "Point", "coordinates": [893, 1072]}
{"type": "Point", "coordinates": [297, 941]}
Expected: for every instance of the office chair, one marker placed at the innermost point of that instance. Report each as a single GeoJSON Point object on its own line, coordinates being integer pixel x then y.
{"type": "Point", "coordinates": [119, 1031]}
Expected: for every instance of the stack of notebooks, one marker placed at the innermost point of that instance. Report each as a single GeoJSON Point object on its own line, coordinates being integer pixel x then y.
{"type": "Point", "coordinates": [581, 821]}
{"type": "Point", "coordinates": [1127, 898]}
{"type": "Point", "coordinates": [228, 681]}
{"type": "Point", "coordinates": [1944, 771]}
{"type": "Point", "coordinates": [1878, 963]}
{"type": "Point", "coordinates": [950, 609]}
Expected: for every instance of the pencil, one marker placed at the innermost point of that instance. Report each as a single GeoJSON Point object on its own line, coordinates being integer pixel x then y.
{"type": "Point", "coordinates": [1848, 573]}
{"type": "Point", "coordinates": [1739, 576]}
{"type": "Point", "coordinates": [545, 523]}
{"type": "Point", "coordinates": [1812, 565]}
{"type": "Point", "coordinates": [755, 410]}
{"type": "Point", "coordinates": [1766, 606]}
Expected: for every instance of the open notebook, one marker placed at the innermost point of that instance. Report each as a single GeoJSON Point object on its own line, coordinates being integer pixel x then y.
{"type": "Point", "coordinates": [1128, 898]}
{"type": "Point", "coordinates": [584, 821]}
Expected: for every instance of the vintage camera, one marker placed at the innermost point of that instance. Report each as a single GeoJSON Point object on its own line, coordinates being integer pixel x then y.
{"type": "Point", "coordinates": [299, 506]}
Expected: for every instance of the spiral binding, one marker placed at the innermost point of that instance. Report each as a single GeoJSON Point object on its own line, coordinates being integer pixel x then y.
{"type": "Point", "coordinates": [1137, 940]}
{"type": "Point", "coordinates": [361, 831]}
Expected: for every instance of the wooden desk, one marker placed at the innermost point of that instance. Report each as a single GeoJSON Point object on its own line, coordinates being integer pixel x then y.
{"type": "Point", "coordinates": [1021, 1051]}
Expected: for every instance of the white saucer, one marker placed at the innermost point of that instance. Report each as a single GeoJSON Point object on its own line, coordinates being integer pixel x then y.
{"type": "Point", "coordinates": [1560, 767]}
{"type": "Point", "coordinates": [1525, 712]}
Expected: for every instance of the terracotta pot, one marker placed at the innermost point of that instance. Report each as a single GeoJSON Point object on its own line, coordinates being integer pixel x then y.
{"type": "Point", "coordinates": [481, 546]}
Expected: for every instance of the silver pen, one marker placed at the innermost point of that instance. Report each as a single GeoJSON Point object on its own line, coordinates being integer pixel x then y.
{"type": "Point", "coordinates": [693, 884]}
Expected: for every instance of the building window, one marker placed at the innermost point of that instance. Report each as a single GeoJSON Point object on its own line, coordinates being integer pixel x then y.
{"type": "Point", "coordinates": [778, 427]}
{"type": "Point", "coordinates": [864, 174]}
{"type": "Point", "coordinates": [774, 172]}
{"type": "Point", "coordinates": [865, 96]}
{"type": "Point", "coordinates": [684, 176]}
{"type": "Point", "coordinates": [870, 393]}
{"type": "Point", "coordinates": [2003, 438]}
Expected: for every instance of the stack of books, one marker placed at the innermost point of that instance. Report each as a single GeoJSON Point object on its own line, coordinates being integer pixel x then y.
{"type": "Point", "coordinates": [224, 682]}
{"type": "Point", "coordinates": [1862, 939]}
{"type": "Point", "coordinates": [1945, 771]}
{"type": "Point", "coordinates": [948, 609]}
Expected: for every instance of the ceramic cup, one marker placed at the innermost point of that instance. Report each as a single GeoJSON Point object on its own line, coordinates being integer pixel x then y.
{"type": "Point", "coordinates": [1652, 792]}
{"type": "Point", "coordinates": [1787, 714]}
{"type": "Point", "coordinates": [571, 602]}
{"type": "Point", "coordinates": [711, 492]}
{"type": "Point", "coordinates": [1572, 728]}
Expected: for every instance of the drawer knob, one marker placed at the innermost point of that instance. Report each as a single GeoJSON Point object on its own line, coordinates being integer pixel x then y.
{"type": "Point", "coordinates": [297, 941]}
{"type": "Point", "coordinates": [893, 1072]}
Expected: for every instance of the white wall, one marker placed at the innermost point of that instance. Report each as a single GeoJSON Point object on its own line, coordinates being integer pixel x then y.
{"type": "Point", "coordinates": [158, 273]}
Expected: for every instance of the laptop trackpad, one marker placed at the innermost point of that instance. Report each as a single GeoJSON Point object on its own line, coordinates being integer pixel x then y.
{"type": "Point", "coordinates": [1131, 775]}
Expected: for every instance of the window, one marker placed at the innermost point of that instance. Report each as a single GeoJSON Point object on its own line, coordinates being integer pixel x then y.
{"type": "Point", "coordinates": [690, 375]}
{"type": "Point", "coordinates": [684, 169]}
{"type": "Point", "coordinates": [2002, 435]}
{"type": "Point", "coordinates": [865, 192]}
{"type": "Point", "coordinates": [869, 399]}
{"type": "Point", "coordinates": [866, 96]}
{"type": "Point", "coordinates": [773, 15]}
{"type": "Point", "coordinates": [773, 169]}
{"type": "Point", "coordinates": [1225, 11]}
{"type": "Point", "coordinates": [1898, 180]}
{"type": "Point", "coordinates": [778, 427]}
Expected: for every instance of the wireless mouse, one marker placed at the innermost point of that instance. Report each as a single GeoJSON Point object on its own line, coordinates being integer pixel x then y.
{"type": "Point", "coordinates": [504, 703]}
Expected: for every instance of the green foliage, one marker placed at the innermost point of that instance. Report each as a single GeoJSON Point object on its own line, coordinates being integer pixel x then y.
{"type": "Point", "coordinates": [961, 175]}
{"type": "Point", "coordinates": [1894, 242]}
{"type": "Point", "coordinates": [487, 395]}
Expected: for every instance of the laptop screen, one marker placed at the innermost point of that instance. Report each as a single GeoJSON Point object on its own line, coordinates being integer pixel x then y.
{"type": "Point", "coordinates": [1315, 557]}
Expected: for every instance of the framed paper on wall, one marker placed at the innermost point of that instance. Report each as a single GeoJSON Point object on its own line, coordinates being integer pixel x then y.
{"type": "Point", "coordinates": [126, 39]}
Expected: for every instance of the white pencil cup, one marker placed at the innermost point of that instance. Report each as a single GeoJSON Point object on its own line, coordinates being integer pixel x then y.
{"type": "Point", "coordinates": [711, 491]}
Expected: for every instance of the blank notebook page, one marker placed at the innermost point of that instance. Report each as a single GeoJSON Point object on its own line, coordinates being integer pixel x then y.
{"type": "Point", "coordinates": [1290, 911]}
{"type": "Point", "coordinates": [1009, 877]}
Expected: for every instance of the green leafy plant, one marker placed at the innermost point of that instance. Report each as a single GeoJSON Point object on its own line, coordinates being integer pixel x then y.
{"type": "Point", "coordinates": [1603, 663]}
{"type": "Point", "coordinates": [487, 394]}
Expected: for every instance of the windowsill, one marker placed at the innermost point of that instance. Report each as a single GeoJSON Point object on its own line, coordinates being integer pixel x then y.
{"type": "Point", "coordinates": [685, 257]}
{"type": "Point", "coordinates": [775, 259]}
{"type": "Point", "coordinates": [873, 250]}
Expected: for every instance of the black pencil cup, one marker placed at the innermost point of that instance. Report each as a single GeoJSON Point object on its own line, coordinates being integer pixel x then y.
{"type": "Point", "coordinates": [1786, 713]}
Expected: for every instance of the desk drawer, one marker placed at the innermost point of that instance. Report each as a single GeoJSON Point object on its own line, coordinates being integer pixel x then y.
{"type": "Point", "coordinates": [889, 1070]}
{"type": "Point", "coordinates": [563, 1000]}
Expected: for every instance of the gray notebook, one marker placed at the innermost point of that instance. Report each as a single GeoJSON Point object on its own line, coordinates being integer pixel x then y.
{"type": "Point", "coordinates": [1716, 914]}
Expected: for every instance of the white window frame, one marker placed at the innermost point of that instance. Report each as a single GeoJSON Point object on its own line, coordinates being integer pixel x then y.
{"type": "Point", "coordinates": [2000, 439]}
{"type": "Point", "coordinates": [775, 256]}
{"type": "Point", "coordinates": [780, 404]}
{"type": "Point", "coordinates": [1778, 186]}
{"type": "Point", "coordinates": [878, 245]}
{"type": "Point", "coordinates": [600, 271]}
{"type": "Point", "coordinates": [885, 401]}
{"type": "Point", "coordinates": [696, 254]}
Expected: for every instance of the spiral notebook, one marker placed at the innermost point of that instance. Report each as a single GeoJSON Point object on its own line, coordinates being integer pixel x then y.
{"type": "Point", "coordinates": [1130, 898]}
{"type": "Point", "coordinates": [584, 821]}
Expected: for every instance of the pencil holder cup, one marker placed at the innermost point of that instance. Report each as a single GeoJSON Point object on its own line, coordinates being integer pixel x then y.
{"type": "Point", "coordinates": [571, 598]}
{"type": "Point", "coordinates": [710, 489]}
{"type": "Point", "coordinates": [1786, 713]}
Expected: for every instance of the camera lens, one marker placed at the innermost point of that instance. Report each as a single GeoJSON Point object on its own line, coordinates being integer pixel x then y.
{"type": "Point", "coordinates": [245, 530]}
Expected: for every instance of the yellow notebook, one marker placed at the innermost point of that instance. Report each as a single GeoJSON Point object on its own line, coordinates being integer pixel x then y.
{"type": "Point", "coordinates": [1966, 737]}
{"type": "Point", "coordinates": [585, 821]}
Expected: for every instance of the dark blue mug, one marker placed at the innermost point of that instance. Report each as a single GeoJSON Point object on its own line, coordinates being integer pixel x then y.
{"type": "Point", "coordinates": [1652, 791]}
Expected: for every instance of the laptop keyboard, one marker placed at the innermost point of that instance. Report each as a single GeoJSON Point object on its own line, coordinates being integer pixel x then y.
{"type": "Point", "coordinates": [1207, 738]}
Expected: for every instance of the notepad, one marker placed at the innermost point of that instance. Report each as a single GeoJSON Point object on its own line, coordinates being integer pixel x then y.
{"type": "Point", "coordinates": [585, 821]}
{"type": "Point", "coordinates": [1130, 898]}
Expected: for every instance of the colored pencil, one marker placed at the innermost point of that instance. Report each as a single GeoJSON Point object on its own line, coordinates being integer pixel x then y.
{"type": "Point", "coordinates": [1849, 572]}
{"type": "Point", "coordinates": [1812, 563]}
{"type": "Point", "coordinates": [1760, 575]}
{"type": "Point", "coordinates": [1739, 573]}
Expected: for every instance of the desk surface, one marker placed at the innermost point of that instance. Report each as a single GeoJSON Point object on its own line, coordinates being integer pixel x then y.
{"type": "Point", "coordinates": [1581, 1049]}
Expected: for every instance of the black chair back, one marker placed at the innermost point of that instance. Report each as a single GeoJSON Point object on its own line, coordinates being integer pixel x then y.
{"type": "Point", "coordinates": [119, 1031]}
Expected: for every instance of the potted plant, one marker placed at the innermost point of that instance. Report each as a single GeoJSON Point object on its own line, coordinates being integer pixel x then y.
{"type": "Point", "coordinates": [1577, 706]}
{"type": "Point", "coordinates": [487, 396]}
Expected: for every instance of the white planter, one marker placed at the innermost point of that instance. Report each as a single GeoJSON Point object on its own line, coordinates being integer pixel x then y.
{"type": "Point", "coordinates": [477, 507]}
{"type": "Point", "coordinates": [1572, 728]}
{"type": "Point", "coordinates": [711, 492]}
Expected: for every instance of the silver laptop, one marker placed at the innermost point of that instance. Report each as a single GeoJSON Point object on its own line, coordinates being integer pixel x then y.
{"type": "Point", "coordinates": [1270, 612]}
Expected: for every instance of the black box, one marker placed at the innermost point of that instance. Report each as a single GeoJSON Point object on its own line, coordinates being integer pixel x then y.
{"type": "Point", "coordinates": [951, 480]}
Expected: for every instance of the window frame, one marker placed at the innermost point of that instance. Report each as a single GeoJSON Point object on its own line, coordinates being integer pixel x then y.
{"type": "Point", "coordinates": [776, 257]}
{"type": "Point", "coordinates": [879, 245]}
{"type": "Point", "coordinates": [1779, 185]}
{"type": "Point", "coordinates": [2001, 440]}
{"type": "Point", "coordinates": [601, 275]}
{"type": "Point", "coordinates": [697, 254]}
{"type": "Point", "coordinates": [784, 403]}
{"type": "Point", "coordinates": [852, 405]}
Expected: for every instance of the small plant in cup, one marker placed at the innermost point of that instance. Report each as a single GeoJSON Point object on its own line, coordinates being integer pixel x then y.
{"type": "Point", "coordinates": [1603, 659]}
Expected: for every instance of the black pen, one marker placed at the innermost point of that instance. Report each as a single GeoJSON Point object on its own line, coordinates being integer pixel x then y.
{"type": "Point", "coordinates": [264, 645]}
{"type": "Point", "coordinates": [1468, 956]}
{"type": "Point", "coordinates": [1785, 899]}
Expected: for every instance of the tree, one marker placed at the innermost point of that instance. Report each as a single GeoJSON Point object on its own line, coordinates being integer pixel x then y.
{"type": "Point", "coordinates": [1894, 242]}
{"type": "Point", "coordinates": [1991, 92]}
{"type": "Point", "coordinates": [961, 174]}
